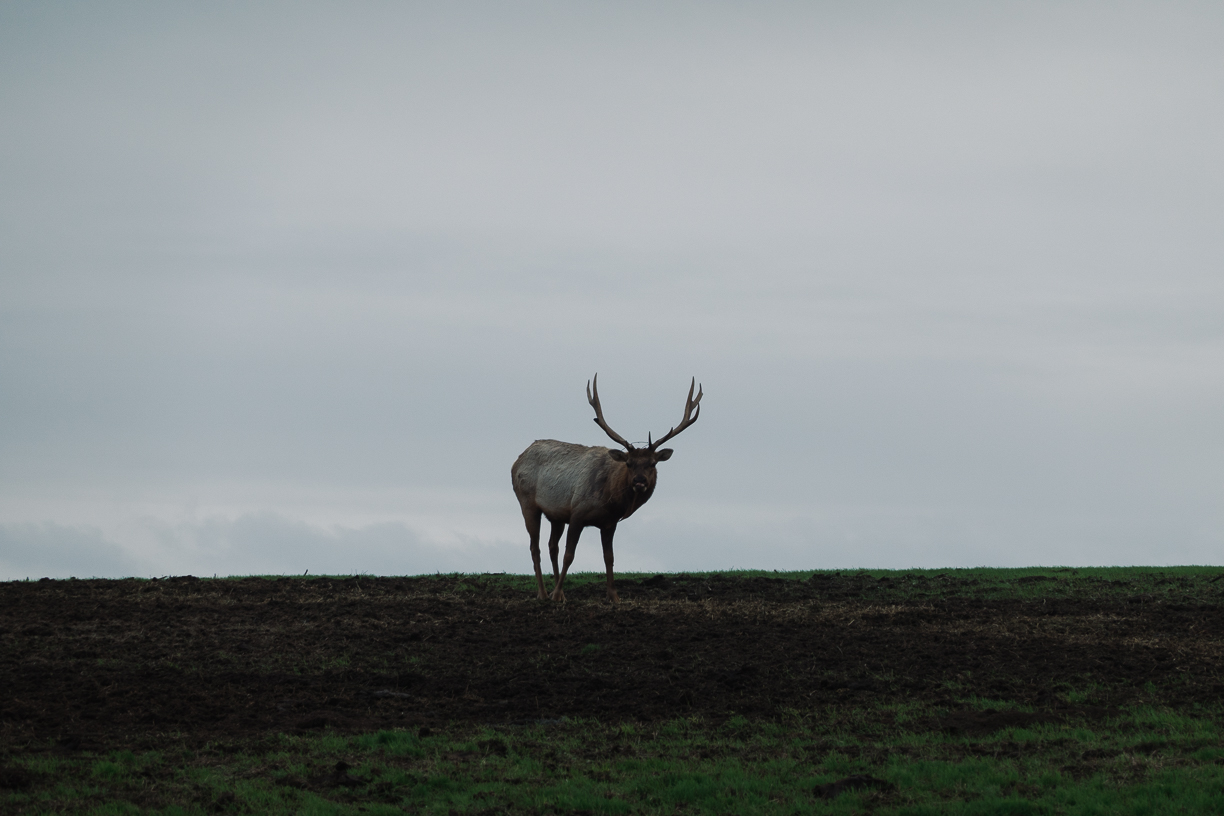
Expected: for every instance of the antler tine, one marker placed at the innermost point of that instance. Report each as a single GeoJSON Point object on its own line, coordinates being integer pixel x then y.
{"type": "Point", "coordinates": [599, 417]}
{"type": "Point", "coordinates": [691, 406]}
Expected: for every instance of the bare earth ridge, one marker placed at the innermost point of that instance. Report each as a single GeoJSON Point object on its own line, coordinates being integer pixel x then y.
{"type": "Point", "coordinates": [104, 664]}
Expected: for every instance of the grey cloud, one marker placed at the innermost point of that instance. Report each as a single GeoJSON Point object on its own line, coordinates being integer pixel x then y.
{"type": "Point", "coordinates": [49, 550]}
{"type": "Point", "coordinates": [269, 543]}
{"type": "Point", "coordinates": [254, 543]}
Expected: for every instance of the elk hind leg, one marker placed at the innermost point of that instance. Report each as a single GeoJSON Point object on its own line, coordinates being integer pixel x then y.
{"type": "Point", "coordinates": [554, 541]}
{"type": "Point", "coordinates": [532, 518]}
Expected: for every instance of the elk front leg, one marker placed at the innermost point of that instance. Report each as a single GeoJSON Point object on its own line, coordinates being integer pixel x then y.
{"type": "Point", "coordinates": [571, 544]}
{"type": "Point", "coordinates": [605, 535]}
{"type": "Point", "coordinates": [532, 518]}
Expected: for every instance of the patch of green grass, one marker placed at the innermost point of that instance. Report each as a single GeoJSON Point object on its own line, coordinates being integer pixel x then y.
{"type": "Point", "coordinates": [394, 743]}
{"type": "Point", "coordinates": [1149, 760]}
{"type": "Point", "coordinates": [1139, 584]}
{"type": "Point", "coordinates": [1146, 584]}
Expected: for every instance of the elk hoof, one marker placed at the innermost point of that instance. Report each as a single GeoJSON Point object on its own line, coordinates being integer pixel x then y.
{"type": "Point", "coordinates": [613, 597]}
{"type": "Point", "coordinates": [558, 595]}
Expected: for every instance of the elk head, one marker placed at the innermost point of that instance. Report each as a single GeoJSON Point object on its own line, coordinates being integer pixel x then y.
{"type": "Point", "coordinates": [641, 461]}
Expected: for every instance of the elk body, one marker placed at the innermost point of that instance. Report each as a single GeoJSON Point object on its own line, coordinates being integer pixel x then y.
{"type": "Point", "coordinates": [585, 486]}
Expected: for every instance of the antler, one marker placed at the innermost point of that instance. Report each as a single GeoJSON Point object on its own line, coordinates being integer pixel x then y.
{"type": "Point", "coordinates": [600, 421]}
{"type": "Point", "coordinates": [690, 407]}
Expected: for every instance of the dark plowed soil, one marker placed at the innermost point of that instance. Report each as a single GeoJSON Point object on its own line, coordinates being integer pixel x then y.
{"type": "Point", "coordinates": [103, 664]}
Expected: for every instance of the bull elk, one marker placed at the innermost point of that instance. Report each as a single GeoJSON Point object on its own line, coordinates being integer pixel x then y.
{"type": "Point", "coordinates": [586, 486]}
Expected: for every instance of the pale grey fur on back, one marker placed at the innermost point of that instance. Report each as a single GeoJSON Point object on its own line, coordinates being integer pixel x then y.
{"type": "Point", "coordinates": [562, 478]}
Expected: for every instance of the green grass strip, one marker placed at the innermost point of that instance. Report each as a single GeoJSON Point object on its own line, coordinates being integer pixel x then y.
{"type": "Point", "coordinates": [1145, 761]}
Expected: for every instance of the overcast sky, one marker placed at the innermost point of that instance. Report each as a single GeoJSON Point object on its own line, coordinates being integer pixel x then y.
{"type": "Point", "coordinates": [287, 287]}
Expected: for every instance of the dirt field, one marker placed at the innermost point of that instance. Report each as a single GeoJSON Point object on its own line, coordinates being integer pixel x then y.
{"type": "Point", "coordinates": [136, 664]}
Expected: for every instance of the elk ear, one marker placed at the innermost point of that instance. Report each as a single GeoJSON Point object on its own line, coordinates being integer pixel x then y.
{"type": "Point", "coordinates": [664, 455]}
{"type": "Point", "coordinates": [618, 455]}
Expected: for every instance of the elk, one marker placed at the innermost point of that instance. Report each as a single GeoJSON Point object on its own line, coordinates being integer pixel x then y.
{"type": "Point", "coordinates": [585, 486]}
